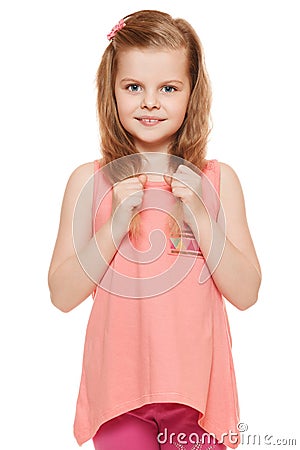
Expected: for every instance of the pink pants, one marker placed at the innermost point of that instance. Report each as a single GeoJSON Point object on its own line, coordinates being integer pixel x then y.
{"type": "Point", "coordinates": [156, 426]}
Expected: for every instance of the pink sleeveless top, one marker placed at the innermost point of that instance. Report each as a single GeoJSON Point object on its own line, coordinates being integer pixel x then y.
{"type": "Point", "coordinates": [155, 334]}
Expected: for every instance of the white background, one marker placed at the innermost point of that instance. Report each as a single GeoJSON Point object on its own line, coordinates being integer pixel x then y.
{"type": "Point", "coordinates": [50, 52]}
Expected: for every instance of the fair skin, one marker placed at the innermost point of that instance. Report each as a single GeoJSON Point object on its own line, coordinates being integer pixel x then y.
{"type": "Point", "coordinates": [152, 91]}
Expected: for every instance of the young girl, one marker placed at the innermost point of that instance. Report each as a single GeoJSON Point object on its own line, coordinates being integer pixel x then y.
{"type": "Point", "coordinates": [143, 230]}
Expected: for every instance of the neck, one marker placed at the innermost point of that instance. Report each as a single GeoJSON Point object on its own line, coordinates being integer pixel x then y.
{"type": "Point", "coordinates": [156, 163]}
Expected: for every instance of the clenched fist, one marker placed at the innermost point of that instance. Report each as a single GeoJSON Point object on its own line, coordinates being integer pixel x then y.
{"type": "Point", "coordinates": [127, 197]}
{"type": "Point", "coordinates": [186, 186]}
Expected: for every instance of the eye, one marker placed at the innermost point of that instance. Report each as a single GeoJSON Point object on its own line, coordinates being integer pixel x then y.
{"type": "Point", "coordinates": [169, 89]}
{"type": "Point", "coordinates": [133, 88]}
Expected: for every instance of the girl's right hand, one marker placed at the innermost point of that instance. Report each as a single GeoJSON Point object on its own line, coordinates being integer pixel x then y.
{"type": "Point", "coordinates": [127, 197]}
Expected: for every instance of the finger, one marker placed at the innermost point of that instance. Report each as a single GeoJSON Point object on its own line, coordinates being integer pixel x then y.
{"type": "Point", "coordinates": [174, 182]}
{"type": "Point", "coordinates": [132, 199]}
{"type": "Point", "coordinates": [184, 169]}
{"type": "Point", "coordinates": [179, 183]}
{"type": "Point", "coordinates": [131, 181]}
{"type": "Point", "coordinates": [188, 177]}
{"type": "Point", "coordinates": [179, 192]}
{"type": "Point", "coordinates": [142, 178]}
{"type": "Point", "coordinates": [168, 179]}
{"type": "Point", "coordinates": [135, 199]}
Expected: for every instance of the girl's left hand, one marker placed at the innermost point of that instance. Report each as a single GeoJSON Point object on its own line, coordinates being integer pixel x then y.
{"type": "Point", "coordinates": [186, 185]}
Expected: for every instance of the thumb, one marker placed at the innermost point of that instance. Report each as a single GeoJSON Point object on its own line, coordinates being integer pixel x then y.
{"type": "Point", "coordinates": [168, 179]}
{"type": "Point", "coordinates": [142, 178]}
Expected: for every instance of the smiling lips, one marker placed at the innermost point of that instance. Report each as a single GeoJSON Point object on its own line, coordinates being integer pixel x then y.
{"type": "Point", "coordinates": [149, 121]}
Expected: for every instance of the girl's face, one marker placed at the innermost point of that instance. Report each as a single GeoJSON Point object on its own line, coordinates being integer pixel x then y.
{"type": "Point", "coordinates": [152, 92]}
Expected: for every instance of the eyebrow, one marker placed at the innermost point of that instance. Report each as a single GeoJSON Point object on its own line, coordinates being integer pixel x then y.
{"type": "Point", "coordinates": [132, 80]}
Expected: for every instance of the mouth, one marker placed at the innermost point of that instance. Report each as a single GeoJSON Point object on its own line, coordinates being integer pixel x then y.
{"type": "Point", "coordinates": [149, 120]}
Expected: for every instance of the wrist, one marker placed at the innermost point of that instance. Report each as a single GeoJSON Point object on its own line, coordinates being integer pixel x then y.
{"type": "Point", "coordinates": [118, 228]}
{"type": "Point", "coordinates": [200, 223]}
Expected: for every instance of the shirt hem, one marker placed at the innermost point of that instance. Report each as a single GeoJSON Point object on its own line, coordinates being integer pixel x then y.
{"type": "Point", "coordinates": [134, 404]}
{"type": "Point", "coordinates": [170, 397]}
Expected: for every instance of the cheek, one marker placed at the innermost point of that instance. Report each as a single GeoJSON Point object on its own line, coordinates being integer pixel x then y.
{"type": "Point", "coordinates": [182, 108]}
{"type": "Point", "coordinates": [180, 112]}
{"type": "Point", "coordinates": [120, 108]}
{"type": "Point", "coordinates": [179, 105]}
{"type": "Point", "coordinates": [124, 104]}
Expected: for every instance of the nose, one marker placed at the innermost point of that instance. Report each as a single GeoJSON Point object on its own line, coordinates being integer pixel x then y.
{"type": "Point", "coordinates": [150, 100]}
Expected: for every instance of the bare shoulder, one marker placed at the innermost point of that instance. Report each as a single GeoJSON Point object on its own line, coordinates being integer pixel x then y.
{"type": "Point", "coordinates": [76, 186]}
{"type": "Point", "coordinates": [233, 204]}
{"type": "Point", "coordinates": [81, 179]}
{"type": "Point", "coordinates": [83, 171]}
{"type": "Point", "coordinates": [230, 185]}
{"type": "Point", "coordinates": [228, 174]}
{"type": "Point", "coordinates": [81, 174]}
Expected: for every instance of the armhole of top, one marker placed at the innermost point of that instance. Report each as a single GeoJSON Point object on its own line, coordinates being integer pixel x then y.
{"type": "Point", "coordinates": [94, 205]}
{"type": "Point", "coordinates": [214, 166]}
{"type": "Point", "coordinates": [217, 184]}
{"type": "Point", "coordinates": [95, 191]}
{"type": "Point", "coordinates": [217, 170]}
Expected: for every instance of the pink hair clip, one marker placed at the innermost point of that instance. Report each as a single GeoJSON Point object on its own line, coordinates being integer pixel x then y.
{"type": "Point", "coordinates": [121, 24]}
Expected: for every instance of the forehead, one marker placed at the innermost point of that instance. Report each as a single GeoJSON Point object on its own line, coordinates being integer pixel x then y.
{"type": "Point", "coordinates": [146, 63]}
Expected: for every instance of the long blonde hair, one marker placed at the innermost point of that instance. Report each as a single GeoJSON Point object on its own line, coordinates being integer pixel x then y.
{"type": "Point", "coordinates": [154, 29]}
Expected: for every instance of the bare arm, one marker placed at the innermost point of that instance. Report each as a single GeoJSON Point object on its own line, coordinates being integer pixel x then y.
{"type": "Point", "coordinates": [75, 270]}
{"type": "Point", "coordinates": [233, 263]}
{"type": "Point", "coordinates": [238, 274]}
{"type": "Point", "coordinates": [68, 282]}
